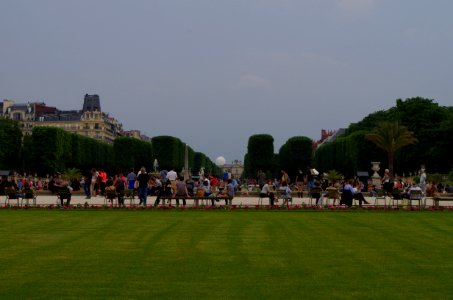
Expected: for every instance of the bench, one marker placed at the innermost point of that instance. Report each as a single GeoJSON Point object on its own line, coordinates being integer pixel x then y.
{"type": "Point", "coordinates": [196, 199]}
{"type": "Point", "coordinates": [63, 194]}
{"type": "Point", "coordinates": [442, 197]}
{"type": "Point", "coordinates": [29, 195]}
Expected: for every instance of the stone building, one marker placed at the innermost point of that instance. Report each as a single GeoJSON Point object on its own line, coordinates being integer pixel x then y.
{"type": "Point", "coordinates": [236, 168]}
{"type": "Point", "coordinates": [90, 121]}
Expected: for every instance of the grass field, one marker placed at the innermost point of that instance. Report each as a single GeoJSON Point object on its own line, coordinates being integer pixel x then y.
{"type": "Point", "coordinates": [225, 254]}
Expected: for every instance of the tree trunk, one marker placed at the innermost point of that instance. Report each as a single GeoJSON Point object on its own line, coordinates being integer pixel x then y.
{"type": "Point", "coordinates": [390, 157]}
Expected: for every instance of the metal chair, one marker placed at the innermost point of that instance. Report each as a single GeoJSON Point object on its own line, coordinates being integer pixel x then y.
{"type": "Point", "coordinates": [29, 194]}
{"type": "Point", "coordinates": [332, 193]}
{"type": "Point", "coordinates": [381, 194]}
{"type": "Point", "coordinates": [110, 196]}
{"type": "Point", "coordinates": [285, 196]}
{"type": "Point", "coordinates": [63, 194]}
{"type": "Point", "coordinates": [415, 195]}
{"type": "Point", "coordinates": [130, 194]}
{"type": "Point", "coordinates": [316, 193]}
{"type": "Point", "coordinates": [11, 194]}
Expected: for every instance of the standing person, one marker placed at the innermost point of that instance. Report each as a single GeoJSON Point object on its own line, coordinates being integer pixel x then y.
{"type": "Point", "coordinates": [103, 181]}
{"type": "Point", "coordinates": [87, 184]}
{"type": "Point", "coordinates": [181, 190]}
{"type": "Point", "coordinates": [387, 183]}
{"type": "Point", "coordinates": [285, 177]}
{"type": "Point", "coordinates": [300, 183]}
{"type": "Point", "coordinates": [310, 178]}
{"type": "Point", "coordinates": [230, 192]}
{"type": "Point", "coordinates": [94, 180]}
{"type": "Point", "coordinates": [131, 177]}
{"type": "Point", "coordinates": [143, 179]}
{"type": "Point", "coordinates": [423, 180]}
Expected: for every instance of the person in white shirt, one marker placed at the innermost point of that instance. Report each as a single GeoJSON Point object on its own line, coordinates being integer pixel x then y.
{"type": "Point", "coordinates": [171, 176]}
{"type": "Point", "coordinates": [267, 192]}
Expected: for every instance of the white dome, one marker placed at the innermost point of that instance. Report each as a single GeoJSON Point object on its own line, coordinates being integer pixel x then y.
{"type": "Point", "coordinates": [220, 161]}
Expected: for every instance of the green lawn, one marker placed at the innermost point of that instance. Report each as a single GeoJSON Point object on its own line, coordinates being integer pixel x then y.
{"type": "Point", "coordinates": [225, 254]}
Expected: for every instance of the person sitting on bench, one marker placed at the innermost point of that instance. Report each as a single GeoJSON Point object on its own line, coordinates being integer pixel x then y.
{"type": "Point", "coordinates": [266, 192]}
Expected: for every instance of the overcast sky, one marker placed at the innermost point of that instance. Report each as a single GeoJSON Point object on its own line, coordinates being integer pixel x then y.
{"type": "Point", "coordinates": [213, 73]}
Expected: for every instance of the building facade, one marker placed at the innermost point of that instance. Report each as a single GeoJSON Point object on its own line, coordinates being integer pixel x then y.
{"type": "Point", "coordinates": [236, 168]}
{"type": "Point", "coordinates": [90, 121]}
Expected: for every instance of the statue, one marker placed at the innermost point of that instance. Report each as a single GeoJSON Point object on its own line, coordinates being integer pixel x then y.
{"type": "Point", "coordinates": [155, 165]}
{"type": "Point", "coordinates": [201, 172]}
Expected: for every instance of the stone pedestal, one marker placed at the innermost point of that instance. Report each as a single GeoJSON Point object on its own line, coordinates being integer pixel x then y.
{"type": "Point", "coordinates": [375, 178]}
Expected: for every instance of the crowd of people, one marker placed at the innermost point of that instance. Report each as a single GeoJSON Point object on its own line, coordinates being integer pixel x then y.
{"type": "Point", "coordinates": [165, 183]}
{"type": "Point", "coordinates": [169, 184]}
{"type": "Point", "coordinates": [347, 190]}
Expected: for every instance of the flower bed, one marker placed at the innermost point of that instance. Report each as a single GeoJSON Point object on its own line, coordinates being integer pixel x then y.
{"type": "Point", "coordinates": [235, 207]}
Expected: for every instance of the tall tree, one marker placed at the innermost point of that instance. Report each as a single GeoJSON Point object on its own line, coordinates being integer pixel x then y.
{"type": "Point", "coordinates": [10, 143]}
{"type": "Point", "coordinates": [391, 136]}
{"type": "Point", "coordinates": [260, 153]}
{"type": "Point", "coordinates": [296, 154]}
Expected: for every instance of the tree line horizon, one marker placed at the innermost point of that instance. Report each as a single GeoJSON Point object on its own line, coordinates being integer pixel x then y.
{"type": "Point", "coordinates": [48, 149]}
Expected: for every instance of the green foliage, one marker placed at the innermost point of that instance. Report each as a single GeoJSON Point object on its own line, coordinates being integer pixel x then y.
{"type": "Point", "coordinates": [131, 152]}
{"type": "Point", "coordinates": [55, 150]}
{"type": "Point", "coordinates": [296, 154]}
{"type": "Point", "coordinates": [26, 154]}
{"type": "Point", "coordinates": [167, 150]}
{"type": "Point", "coordinates": [432, 126]}
{"type": "Point", "coordinates": [347, 153]}
{"type": "Point", "coordinates": [10, 144]}
{"type": "Point", "coordinates": [333, 175]}
{"type": "Point", "coordinates": [435, 177]}
{"type": "Point", "coordinates": [51, 149]}
{"type": "Point", "coordinates": [72, 174]}
{"type": "Point", "coordinates": [391, 136]}
{"type": "Point", "coordinates": [260, 152]}
{"type": "Point", "coordinates": [199, 162]}
{"type": "Point", "coordinates": [369, 122]}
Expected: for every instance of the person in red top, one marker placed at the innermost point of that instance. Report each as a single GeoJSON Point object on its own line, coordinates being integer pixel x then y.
{"type": "Point", "coordinates": [214, 181]}
{"type": "Point", "coordinates": [103, 182]}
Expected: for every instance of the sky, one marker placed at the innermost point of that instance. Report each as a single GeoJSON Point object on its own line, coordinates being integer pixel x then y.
{"type": "Point", "coordinates": [215, 72]}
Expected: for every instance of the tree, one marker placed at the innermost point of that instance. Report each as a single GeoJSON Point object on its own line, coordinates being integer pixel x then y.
{"type": "Point", "coordinates": [391, 136]}
{"type": "Point", "coordinates": [10, 143]}
{"type": "Point", "coordinates": [260, 153]}
{"type": "Point", "coordinates": [296, 154]}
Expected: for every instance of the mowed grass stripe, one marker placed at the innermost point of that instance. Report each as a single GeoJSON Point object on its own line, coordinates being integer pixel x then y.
{"type": "Point", "coordinates": [225, 254]}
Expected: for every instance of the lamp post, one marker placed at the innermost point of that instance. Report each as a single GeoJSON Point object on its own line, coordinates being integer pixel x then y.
{"type": "Point", "coordinates": [186, 163]}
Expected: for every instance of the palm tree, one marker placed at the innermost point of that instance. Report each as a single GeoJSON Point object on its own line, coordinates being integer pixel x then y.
{"type": "Point", "coordinates": [333, 175]}
{"type": "Point", "coordinates": [391, 136]}
{"type": "Point", "coordinates": [72, 174]}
